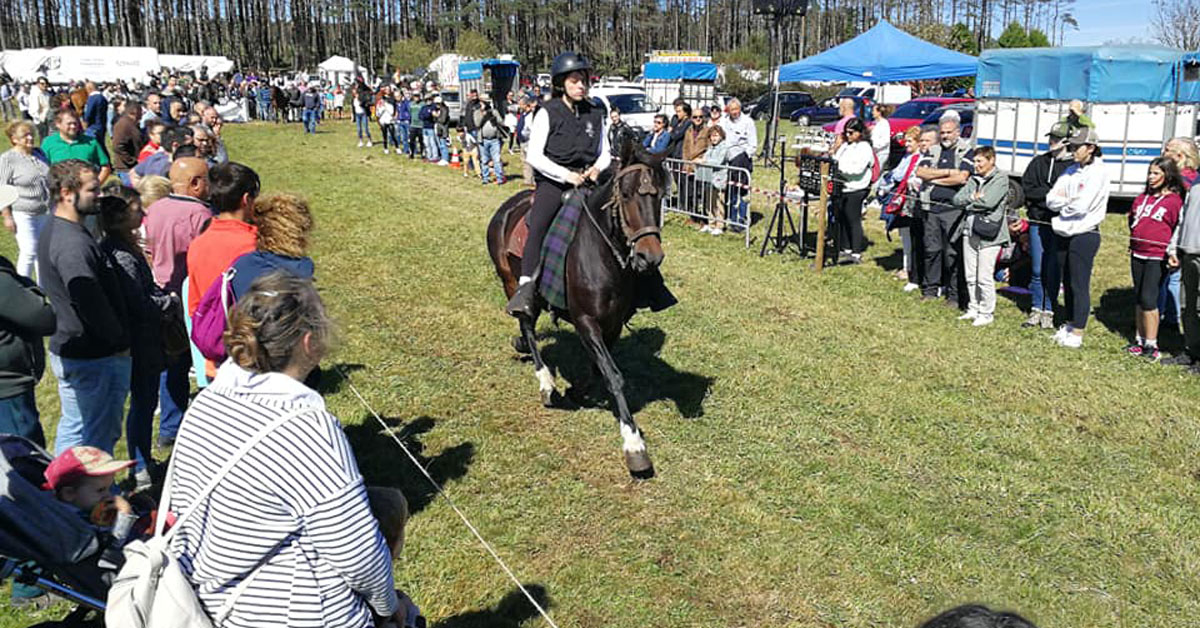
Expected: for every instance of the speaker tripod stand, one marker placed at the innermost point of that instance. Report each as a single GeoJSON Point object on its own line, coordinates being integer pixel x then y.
{"type": "Point", "coordinates": [781, 228]}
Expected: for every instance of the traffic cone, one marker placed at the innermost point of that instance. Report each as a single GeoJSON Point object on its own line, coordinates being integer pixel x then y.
{"type": "Point", "coordinates": [455, 162]}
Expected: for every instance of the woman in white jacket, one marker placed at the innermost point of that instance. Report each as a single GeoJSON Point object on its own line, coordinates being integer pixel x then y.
{"type": "Point", "coordinates": [855, 162]}
{"type": "Point", "coordinates": [385, 112]}
{"type": "Point", "coordinates": [1080, 196]}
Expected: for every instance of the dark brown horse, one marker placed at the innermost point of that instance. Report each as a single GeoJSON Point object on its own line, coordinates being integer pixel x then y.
{"type": "Point", "coordinates": [618, 237]}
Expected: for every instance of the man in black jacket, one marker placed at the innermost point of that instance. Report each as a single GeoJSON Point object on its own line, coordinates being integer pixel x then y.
{"type": "Point", "coordinates": [680, 125]}
{"type": "Point", "coordinates": [89, 351]}
{"type": "Point", "coordinates": [1039, 177]}
{"type": "Point", "coordinates": [26, 317]}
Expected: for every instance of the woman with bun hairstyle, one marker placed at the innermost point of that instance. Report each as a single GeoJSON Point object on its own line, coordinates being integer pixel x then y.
{"type": "Point", "coordinates": [288, 536]}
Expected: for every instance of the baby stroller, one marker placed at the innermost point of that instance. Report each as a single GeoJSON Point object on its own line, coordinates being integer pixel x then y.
{"type": "Point", "coordinates": [44, 542]}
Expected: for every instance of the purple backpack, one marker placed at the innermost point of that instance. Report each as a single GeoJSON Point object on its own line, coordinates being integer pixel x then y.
{"type": "Point", "coordinates": [211, 317]}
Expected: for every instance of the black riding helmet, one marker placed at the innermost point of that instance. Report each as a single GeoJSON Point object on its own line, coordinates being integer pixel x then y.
{"type": "Point", "coordinates": [565, 64]}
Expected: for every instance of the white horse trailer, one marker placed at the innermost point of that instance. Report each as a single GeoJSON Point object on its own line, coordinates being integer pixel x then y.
{"type": "Point", "coordinates": [1138, 97]}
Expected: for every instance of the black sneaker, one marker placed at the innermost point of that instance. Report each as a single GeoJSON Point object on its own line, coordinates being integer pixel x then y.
{"type": "Point", "coordinates": [1151, 353]}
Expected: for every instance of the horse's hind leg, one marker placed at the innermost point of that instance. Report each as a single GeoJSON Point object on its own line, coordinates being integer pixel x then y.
{"type": "Point", "coordinates": [637, 459]}
{"type": "Point", "coordinates": [544, 376]}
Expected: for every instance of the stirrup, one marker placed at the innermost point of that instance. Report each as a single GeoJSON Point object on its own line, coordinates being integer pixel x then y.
{"type": "Point", "coordinates": [523, 301]}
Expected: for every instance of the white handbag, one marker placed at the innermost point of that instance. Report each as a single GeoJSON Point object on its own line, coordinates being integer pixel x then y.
{"type": "Point", "coordinates": [151, 590]}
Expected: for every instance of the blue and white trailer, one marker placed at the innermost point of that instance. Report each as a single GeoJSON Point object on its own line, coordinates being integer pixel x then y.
{"type": "Point", "coordinates": [1139, 97]}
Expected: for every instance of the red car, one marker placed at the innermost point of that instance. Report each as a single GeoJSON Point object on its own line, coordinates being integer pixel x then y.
{"type": "Point", "coordinates": [913, 112]}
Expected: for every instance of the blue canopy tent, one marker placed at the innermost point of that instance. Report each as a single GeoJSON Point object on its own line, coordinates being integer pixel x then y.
{"type": "Point", "coordinates": [503, 75]}
{"type": "Point", "coordinates": [883, 54]}
{"type": "Point", "coordinates": [1096, 74]}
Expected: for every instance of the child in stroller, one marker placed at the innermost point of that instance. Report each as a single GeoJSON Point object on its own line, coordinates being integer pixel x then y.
{"type": "Point", "coordinates": [44, 540]}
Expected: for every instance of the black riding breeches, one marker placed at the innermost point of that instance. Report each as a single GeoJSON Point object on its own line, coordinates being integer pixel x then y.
{"type": "Point", "coordinates": [547, 198]}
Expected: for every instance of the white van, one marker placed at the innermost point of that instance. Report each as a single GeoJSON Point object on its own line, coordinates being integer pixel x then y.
{"type": "Point", "coordinates": [636, 110]}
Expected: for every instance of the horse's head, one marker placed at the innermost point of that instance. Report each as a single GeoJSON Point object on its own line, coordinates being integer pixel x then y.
{"type": "Point", "coordinates": [638, 191]}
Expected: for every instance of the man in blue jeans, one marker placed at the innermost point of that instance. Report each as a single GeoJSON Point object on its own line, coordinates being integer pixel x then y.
{"type": "Point", "coordinates": [89, 351]}
{"type": "Point", "coordinates": [491, 136]}
{"type": "Point", "coordinates": [312, 104]}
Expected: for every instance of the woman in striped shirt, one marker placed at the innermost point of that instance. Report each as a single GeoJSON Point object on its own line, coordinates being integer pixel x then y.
{"type": "Point", "coordinates": [293, 516]}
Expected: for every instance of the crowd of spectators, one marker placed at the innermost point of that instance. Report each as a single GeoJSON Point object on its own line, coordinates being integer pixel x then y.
{"type": "Point", "coordinates": [117, 233]}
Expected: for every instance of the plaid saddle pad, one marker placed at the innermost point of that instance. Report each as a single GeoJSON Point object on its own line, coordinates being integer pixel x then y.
{"type": "Point", "coordinates": [553, 282]}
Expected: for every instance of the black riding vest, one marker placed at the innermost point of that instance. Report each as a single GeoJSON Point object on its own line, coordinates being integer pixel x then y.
{"type": "Point", "coordinates": [575, 136]}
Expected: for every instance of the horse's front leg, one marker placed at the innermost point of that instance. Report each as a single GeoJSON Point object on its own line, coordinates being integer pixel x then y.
{"type": "Point", "coordinates": [544, 376]}
{"type": "Point", "coordinates": [637, 459]}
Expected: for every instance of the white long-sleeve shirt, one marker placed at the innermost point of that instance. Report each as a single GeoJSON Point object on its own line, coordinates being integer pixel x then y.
{"type": "Point", "coordinates": [741, 134]}
{"type": "Point", "coordinates": [855, 161]}
{"type": "Point", "coordinates": [535, 154]}
{"type": "Point", "coordinates": [1080, 196]}
{"type": "Point", "coordinates": [39, 104]}
{"type": "Point", "coordinates": [881, 139]}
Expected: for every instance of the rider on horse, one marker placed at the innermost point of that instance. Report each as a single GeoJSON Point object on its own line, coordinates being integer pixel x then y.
{"type": "Point", "coordinates": [568, 147]}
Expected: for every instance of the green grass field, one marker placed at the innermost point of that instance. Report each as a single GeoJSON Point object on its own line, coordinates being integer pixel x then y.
{"type": "Point", "coordinates": [831, 452]}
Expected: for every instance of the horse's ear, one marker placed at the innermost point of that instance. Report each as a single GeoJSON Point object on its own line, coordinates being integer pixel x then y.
{"type": "Point", "coordinates": [628, 149]}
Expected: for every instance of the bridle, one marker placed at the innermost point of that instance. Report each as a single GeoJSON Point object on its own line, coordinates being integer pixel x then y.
{"type": "Point", "coordinates": [616, 213]}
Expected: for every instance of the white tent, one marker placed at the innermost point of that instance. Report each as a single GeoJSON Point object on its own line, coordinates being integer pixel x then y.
{"type": "Point", "coordinates": [340, 70]}
{"type": "Point", "coordinates": [192, 63]}
{"type": "Point", "coordinates": [78, 63]}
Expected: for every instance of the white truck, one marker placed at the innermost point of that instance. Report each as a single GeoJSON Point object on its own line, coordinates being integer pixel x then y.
{"type": "Point", "coordinates": [1138, 97]}
{"type": "Point", "coordinates": [686, 75]}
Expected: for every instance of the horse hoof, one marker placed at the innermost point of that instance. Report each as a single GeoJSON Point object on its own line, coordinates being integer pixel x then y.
{"type": "Point", "coordinates": [639, 465]}
{"type": "Point", "coordinates": [519, 344]}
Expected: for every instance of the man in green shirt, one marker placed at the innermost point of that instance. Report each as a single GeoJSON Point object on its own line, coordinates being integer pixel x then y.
{"type": "Point", "coordinates": [70, 143]}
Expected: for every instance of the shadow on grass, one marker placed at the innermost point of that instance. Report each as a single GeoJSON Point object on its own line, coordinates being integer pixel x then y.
{"type": "Point", "coordinates": [332, 380]}
{"type": "Point", "coordinates": [383, 464]}
{"type": "Point", "coordinates": [891, 262]}
{"type": "Point", "coordinates": [510, 612]}
{"type": "Point", "coordinates": [1116, 311]}
{"type": "Point", "coordinates": [647, 377]}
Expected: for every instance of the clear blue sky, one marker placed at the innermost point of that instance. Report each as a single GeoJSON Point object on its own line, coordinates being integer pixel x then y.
{"type": "Point", "coordinates": [1106, 20]}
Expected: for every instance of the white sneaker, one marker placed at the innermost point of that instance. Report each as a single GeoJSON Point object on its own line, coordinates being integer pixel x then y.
{"type": "Point", "coordinates": [370, 143]}
{"type": "Point", "coordinates": [443, 163]}
{"type": "Point", "coordinates": [910, 286]}
{"type": "Point", "coordinates": [706, 229]}
{"type": "Point", "coordinates": [968, 316]}
{"type": "Point", "coordinates": [1071, 340]}
{"type": "Point", "coordinates": [1063, 330]}
{"type": "Point", "coordinates": [385, 152]}
{"type": "Point", "coordinates": [360, 144]}
{"type": "Point", "coordinates": [717, 231]}
{"type": "Point", "coordinates": [982, 320]}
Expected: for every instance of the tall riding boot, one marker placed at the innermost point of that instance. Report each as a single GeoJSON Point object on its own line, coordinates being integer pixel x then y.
{"type": "Point", "coordinates": [523, 301]}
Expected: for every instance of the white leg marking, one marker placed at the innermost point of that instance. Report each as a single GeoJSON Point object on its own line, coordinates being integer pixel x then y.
{"type": "Point", "coordinates": [633, 440]}
{"type": "Point", "coordinates": [545, 380]}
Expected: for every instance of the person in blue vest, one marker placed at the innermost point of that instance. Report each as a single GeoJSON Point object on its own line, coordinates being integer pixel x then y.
{"type": "Point", "coordinates": [568, 146]}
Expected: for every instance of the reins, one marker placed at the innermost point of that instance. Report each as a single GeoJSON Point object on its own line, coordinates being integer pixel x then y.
{"type": "Point", "coordinates": [613, 208]}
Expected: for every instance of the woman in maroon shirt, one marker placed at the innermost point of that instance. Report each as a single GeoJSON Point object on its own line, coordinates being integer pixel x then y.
{"type": "Point", "coordinates": [1152, 221]}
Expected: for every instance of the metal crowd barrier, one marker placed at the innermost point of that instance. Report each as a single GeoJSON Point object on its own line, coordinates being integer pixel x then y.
{"type": "Point", "coordinates": [694, 195]}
